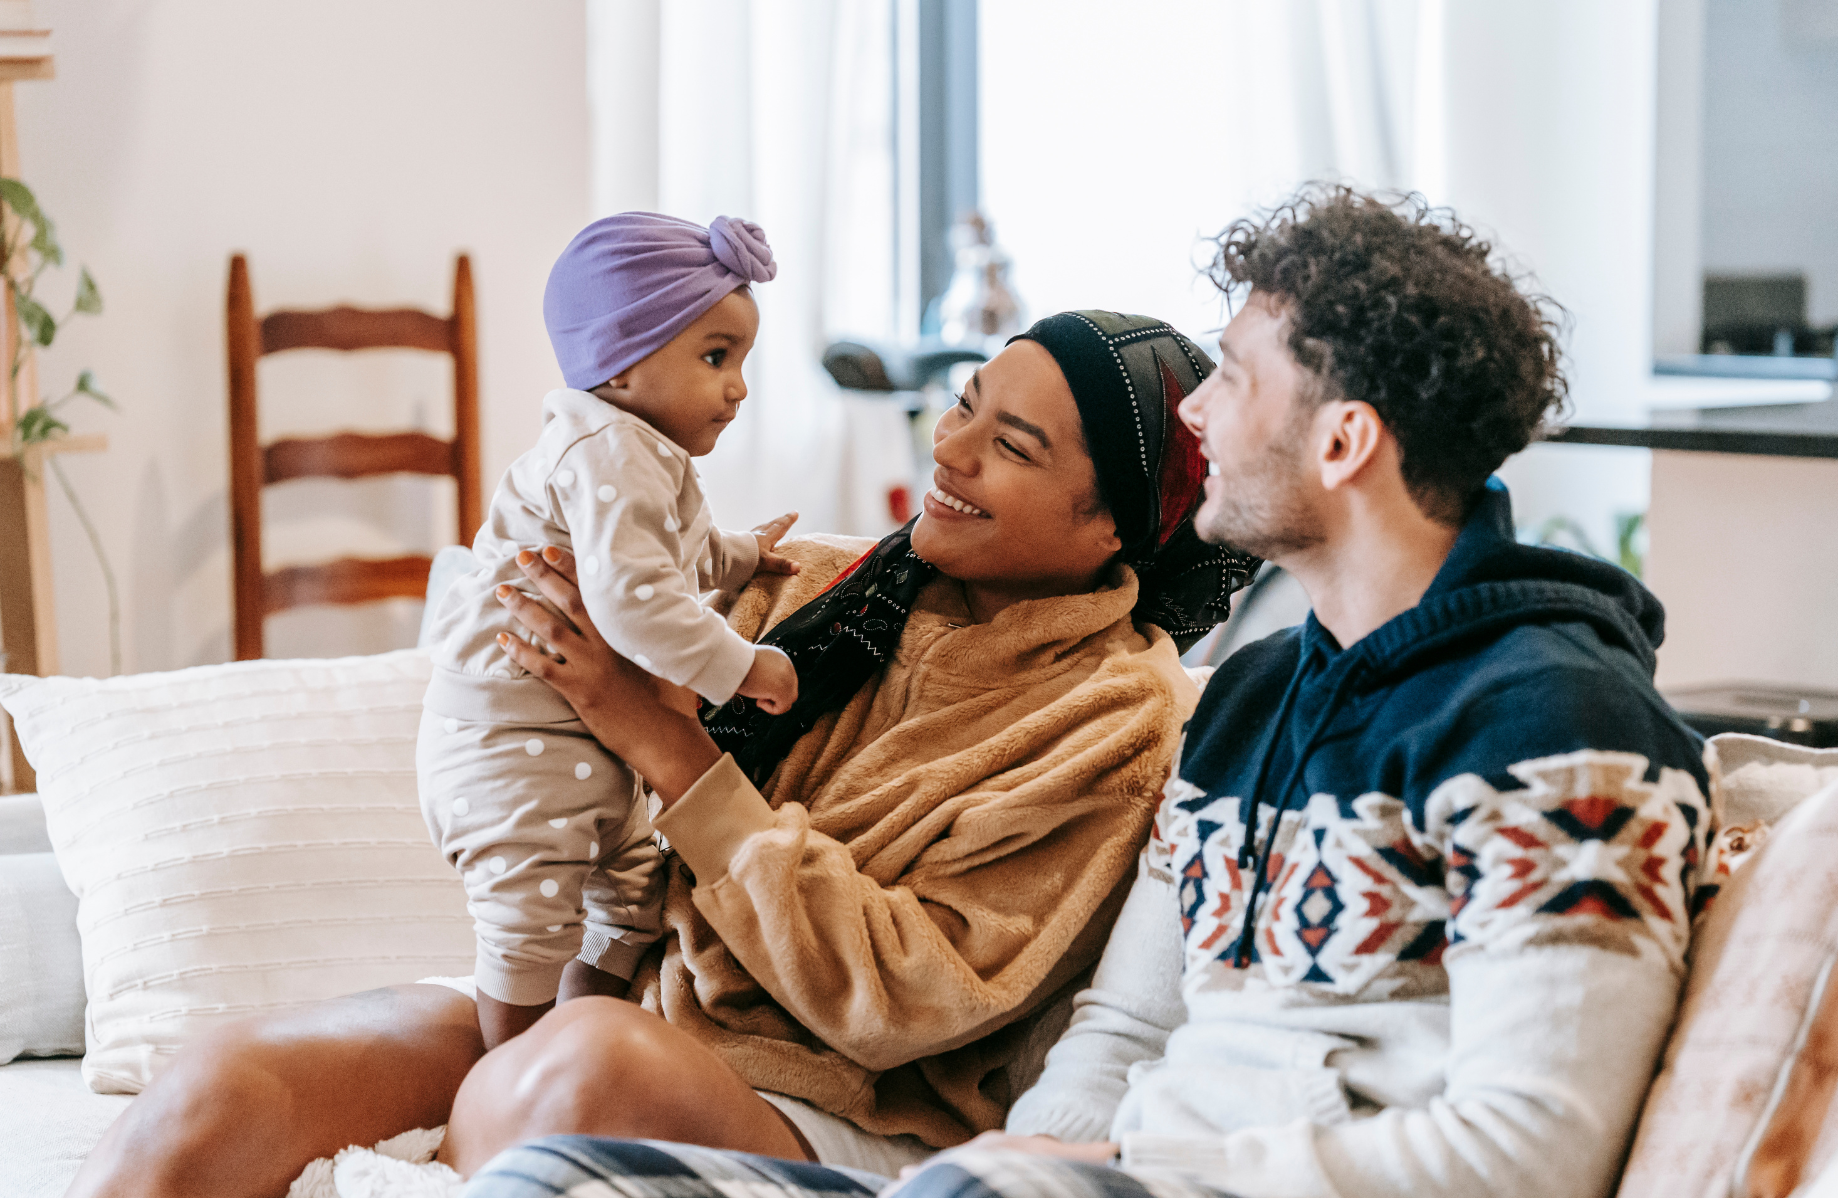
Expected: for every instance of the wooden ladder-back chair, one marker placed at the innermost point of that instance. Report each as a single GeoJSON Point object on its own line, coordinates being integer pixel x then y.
{"type": "Point", "coordinates": [342, 455]}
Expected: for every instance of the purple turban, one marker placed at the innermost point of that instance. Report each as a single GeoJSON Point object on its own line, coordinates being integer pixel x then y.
{"type": "Point", "coordinates": [629, 283]}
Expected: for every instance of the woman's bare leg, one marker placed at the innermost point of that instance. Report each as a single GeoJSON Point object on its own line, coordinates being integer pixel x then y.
{"type": "Point", "coordinates": [599, 1066]}
{"type": "Point", "coordinates": [240, 1112]}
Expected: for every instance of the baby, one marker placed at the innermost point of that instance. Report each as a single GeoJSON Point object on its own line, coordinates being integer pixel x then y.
{"type": "Point", "coordinates": [651, 318]}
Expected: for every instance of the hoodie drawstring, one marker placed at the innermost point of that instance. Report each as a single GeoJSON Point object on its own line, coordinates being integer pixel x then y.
{"type": "Point", "coordinates": [1242, 956]}
{"type": "Point", "coordinates": [1263, 763]}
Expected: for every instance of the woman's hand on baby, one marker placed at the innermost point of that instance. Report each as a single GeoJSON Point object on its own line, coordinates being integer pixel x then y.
{"type": "Point", "coordinates": [772, 682]}
{"type": "Point", "coordinates": [770, 561]}
{"type": "Point", "coordinates": [635, 714]}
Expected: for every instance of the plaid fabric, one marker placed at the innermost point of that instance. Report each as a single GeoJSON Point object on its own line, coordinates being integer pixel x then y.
{"type": "Point", "coordinates": [596, 1167]}
{"type": "Point", "coordinates": [978, 1173]}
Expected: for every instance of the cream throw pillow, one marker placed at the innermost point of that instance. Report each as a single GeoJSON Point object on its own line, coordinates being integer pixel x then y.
{"type": "Point", "coordinates": [1759, 958]}
{"type": "Point", "coordinates": [241, 838]}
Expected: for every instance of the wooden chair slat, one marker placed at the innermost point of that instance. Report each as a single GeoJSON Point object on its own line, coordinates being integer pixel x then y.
{"type": "Point", "coordinates": [348, 328]}
{"type": "Point", "coordinates": [342, 455]}
{"type": "Point", "coordinates": [356, 455]}
{"type": "Point", "coordinates": [347, 580]}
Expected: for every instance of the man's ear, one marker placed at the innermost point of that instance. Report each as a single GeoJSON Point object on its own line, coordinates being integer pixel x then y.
{"type": "Point", "coordinates": [1348, 435]}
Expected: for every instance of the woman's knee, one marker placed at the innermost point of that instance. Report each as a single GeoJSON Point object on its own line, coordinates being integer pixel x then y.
{"type": "Point", "coordinates": [601, 1066]}
{"type": "Point", "coordinates": [591, 1055]}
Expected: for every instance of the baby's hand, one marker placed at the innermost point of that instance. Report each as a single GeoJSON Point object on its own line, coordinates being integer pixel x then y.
{"type": "Point", "coordinates": [773, 680]}
{"type": "Point", "coordinates": [768, 535]}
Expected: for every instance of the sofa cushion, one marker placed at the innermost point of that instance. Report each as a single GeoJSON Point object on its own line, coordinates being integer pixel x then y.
{"type": "Point", "coordinates": [1756, 1024]}
{"type": "Point", "coordinates": [51, 1124]}
{"type": "Point", "coordinates": [22, 825]}
{"type": "Point", "coordinates": [240, 838]}
{"type": "Point", "coordinates": [41, 963]}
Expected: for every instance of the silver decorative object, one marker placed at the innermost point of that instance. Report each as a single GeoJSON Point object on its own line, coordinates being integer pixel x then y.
{"type": "Point", "coordinates": [978, 308]}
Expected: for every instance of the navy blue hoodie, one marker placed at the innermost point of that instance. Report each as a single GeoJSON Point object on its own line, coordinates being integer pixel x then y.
{"type": "Point", "coordinates": [1515, 700]}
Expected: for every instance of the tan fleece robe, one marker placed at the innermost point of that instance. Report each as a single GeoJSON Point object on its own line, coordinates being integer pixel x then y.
{"type": "Point", "coordinates": [929, 864]}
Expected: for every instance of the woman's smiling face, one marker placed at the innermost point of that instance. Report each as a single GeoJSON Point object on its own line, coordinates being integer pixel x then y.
{"type": "Point", "coordinates": [1014, 504]}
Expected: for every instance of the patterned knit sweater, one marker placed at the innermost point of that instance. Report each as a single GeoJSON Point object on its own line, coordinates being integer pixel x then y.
{"type": "Point", "coordinates": [930, 864]}
{"type": "Point", "coordinates": [1477, 832]}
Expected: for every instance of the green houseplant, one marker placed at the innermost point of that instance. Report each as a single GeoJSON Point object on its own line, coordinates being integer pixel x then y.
{"type": "Point", "coordinates": [28, 248]}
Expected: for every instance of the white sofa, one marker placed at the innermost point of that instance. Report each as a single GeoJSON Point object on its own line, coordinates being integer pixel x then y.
{"type": "Point", "coordinates": [49, 1119]}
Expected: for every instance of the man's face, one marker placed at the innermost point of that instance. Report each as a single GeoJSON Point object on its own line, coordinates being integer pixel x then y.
{"type": "Point", "coordinates": [1253, 419]}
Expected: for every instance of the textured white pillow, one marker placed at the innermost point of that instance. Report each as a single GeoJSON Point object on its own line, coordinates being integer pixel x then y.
{"type": "Point", "coordinates": [241, 838]}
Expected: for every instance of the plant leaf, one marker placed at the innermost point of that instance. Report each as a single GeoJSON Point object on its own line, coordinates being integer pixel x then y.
{"type": "Point", "coordinates": [86, 385]}
{"type": "Point", "coordinates": [44, 240]}
{"type": "Point", "coordinates": [38, 424]}
{"type": "Point", "coordinates": [89, 299]}
{"type": "Point", "coordinates": [19, 198]}
{"type": "Point", "coordinates": [38, 322]}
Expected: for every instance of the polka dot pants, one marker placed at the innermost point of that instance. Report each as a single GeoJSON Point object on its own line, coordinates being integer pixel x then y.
{"type": "Point", "coordinates": [550, 835]}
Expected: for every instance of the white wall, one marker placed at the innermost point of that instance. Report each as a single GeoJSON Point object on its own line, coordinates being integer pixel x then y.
{"type": "Point", "coordinates": [1771, 148]}
{"type": "Point", "coordinates": [350, 148]}
{"type": "Point", "coordinates": [1550, 121]}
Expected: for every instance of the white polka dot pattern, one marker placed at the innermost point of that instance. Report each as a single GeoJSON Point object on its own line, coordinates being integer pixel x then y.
{"type": "Point", "coordinates": [550, 888]}
{"type": "Point", "coordinates": [590, 566]}
{"type": "Point", "coordinates": [644, 590]}
{"type": "Point", "coordinates": [242, 839]}
{"type": "Point", "coordinates": [606, 493]}
{"type": "Point", "coordinates": [642, 662]}
{"type": "Point", "coordinates": [583, 771]}
{"type": "Point", "coordinates": [450, 724]}
{"type": "Point", "coordinates": [564, 478]}
{"type": "Point", "coordinates": [555, 927]}
{"type": "Point", "coordinates": [593, 850]}
{"type": "Point", "coordinates": [670, 524]}
{"type": "Point", "coordinates": [560, 822]}
{"type": "Point", "coordinates": [663, 450]}
{"type": "Point", "coordinates": [461, 806]}
{"type": "Point", "coordinates": [533, 747]}
{"type": "Point", "coordinates": [496, 865]}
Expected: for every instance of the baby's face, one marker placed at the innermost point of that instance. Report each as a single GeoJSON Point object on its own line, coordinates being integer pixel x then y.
{"type": "Point", "coordinates": [690, 390]}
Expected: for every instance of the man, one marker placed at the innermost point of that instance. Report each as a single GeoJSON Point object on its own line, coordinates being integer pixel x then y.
{"type": "Point", "coordinates": [1446, 960]}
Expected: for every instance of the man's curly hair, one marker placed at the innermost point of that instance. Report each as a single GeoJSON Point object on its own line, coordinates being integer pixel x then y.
{"type": "Point", "coordinates": [1398, 304]}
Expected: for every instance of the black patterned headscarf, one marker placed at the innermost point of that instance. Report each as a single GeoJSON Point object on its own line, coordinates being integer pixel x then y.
{"type": "Point", "coordinates": [1128, 374]}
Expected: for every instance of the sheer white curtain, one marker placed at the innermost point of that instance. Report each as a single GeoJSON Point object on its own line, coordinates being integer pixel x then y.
{"type": "Point", "coordinates": [1348, 90]}
{"type": "Point", "coordinates": [778, 111]}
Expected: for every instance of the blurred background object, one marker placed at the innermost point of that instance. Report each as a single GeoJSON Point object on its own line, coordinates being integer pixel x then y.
{"type": "Point", "coordinates": [977, 307]}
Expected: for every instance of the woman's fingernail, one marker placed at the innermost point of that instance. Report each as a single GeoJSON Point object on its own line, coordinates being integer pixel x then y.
{"type": "Point", "coordinates": [525, 557]}
{"type": "Point", "coordinates": [503, 592]}
{"type": "Point", "coordinates": [504, 638]}
{"type": "Point", "coordinates": [552, 555]}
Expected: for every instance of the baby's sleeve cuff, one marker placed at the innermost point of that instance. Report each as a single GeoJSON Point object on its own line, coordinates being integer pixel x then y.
{"type": "Point", "coordinates": [529, 985]}
{"type": "Point", "coordinates": [736, 559]}
{"type": "Point", "coordinates": [726, 668]}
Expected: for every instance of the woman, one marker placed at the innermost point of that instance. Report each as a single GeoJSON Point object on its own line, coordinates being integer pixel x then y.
{"type": "Point", "coordinates": [872, 892]}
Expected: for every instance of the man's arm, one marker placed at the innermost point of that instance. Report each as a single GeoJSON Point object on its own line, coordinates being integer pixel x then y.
{"type": "Point", "coordinates": [1552, 1049]}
